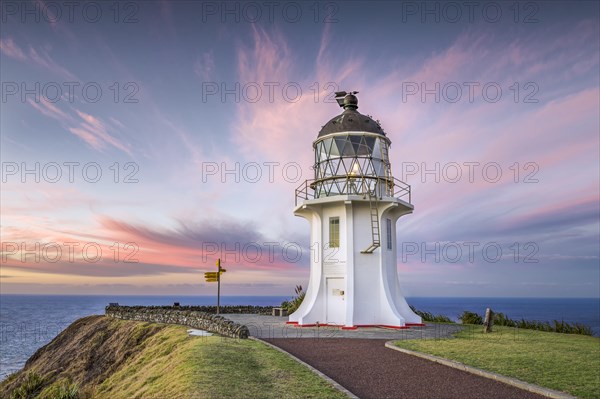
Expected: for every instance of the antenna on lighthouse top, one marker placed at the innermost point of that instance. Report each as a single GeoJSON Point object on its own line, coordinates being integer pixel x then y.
{"type": "Point", "coordinates": [347, 100]}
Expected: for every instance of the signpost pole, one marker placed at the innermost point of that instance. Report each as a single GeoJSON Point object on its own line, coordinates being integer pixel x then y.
{"type": "Point", "coordinates": [215, 277]}
{"type": "Point", "coordinates": [218, 285]}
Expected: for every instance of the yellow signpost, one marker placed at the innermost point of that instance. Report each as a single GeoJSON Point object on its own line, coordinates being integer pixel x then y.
{"type": "Point", "coordinates": [215, 277]}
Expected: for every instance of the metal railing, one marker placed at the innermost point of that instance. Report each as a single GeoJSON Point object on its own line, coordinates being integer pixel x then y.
{"type": "Point", "coordinates": [353, 185]}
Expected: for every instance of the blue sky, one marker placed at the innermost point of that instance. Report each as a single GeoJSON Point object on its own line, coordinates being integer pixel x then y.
{"type": "Point", "coordinates": [492, 112]}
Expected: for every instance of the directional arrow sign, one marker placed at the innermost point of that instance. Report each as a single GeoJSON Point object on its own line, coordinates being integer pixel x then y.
{"type": "Point", "coordinates": [222, 270]}
{"type": "Point", "coordinates": [211, 275]}
{"type": "Point", "coordinates": [212, 280]}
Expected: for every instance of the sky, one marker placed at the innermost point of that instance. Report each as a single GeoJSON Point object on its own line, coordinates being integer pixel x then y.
{"type": "Point", "coordinates": [141, 141]}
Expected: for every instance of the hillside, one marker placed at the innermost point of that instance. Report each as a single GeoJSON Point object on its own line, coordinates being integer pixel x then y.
{"type": "Point", "coordinates": [102, 357]}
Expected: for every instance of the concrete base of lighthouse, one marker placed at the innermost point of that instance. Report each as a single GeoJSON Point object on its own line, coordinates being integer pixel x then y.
{"type": "Point", "coordinates": [349, 288]}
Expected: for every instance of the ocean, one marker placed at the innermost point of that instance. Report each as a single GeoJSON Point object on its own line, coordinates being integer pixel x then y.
{"type": "Point", "coordinates": [28, 322]}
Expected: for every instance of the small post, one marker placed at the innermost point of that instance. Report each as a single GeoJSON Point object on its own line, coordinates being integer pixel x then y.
{"type": "Point", "coordinates": [489, 321]}
{"type": "Point", "coordinates": [218, 285]}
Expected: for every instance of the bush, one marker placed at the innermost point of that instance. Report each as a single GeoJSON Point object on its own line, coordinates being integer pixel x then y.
{"type": "Point", "coordinates": [470, 318]}
{"type": "Point", "coordinates": [556, 326]}
{"type": "Point", "coordinates": [62, 389]}
{"type": "Point", "coordinates": [500, 319]}
{"type": "Point", "coordinates": [293, 304]}
{"type": "Point", "coordinates": [426, 316]}
{"type": "Point", "coordinates": [68, 391]}
{"type": "Point", "coordinates": [29, 388]}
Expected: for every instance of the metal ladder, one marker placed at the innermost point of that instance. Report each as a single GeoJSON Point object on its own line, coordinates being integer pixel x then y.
{"type": "Point", "coordinates": [374, 198]}
{"type": "Point", "coordinates": [374, 210]}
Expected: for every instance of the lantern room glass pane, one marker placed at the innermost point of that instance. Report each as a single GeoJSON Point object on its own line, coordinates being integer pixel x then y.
{"type": "Point", "coordinates": [355, 140]}
{"type": "Point", "coordinates": [377, 149]}
{"type": "Point", "coordinates": [363, 150]}
{"type": "Point", "coordinates": [335, 151]}
{"type": "Point", "coordinates": [330, 168]}
{"type": "Point", "coordinates": [370, 142]}
{"type": "Point", "coordinates": [368, 168]}
{"type": "Point", "coordinates": [379, 167]}
{"type": "Point", "coordinates": [327, 146]}
{"type": "Point", "coordinates": [348, 149]}
{"type": "Point", "coordinates": [341, 143]}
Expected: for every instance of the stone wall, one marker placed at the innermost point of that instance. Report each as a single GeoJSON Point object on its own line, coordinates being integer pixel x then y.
{"type": "Point", "coordinates": [225, 309]}
{"type": "Point", "coordinates": [179, 315]}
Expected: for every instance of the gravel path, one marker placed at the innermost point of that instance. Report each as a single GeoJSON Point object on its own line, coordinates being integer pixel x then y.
{"type": "Point", "coordinates": [267, 327]}
{"type": "Point", "coordinates": [370, 370]}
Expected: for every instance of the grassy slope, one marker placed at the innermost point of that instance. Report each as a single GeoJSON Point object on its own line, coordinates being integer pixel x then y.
{"type": "Point", "coordinates": [176, 366]}
{"type": "Point", "coordinates": [565, 362]}
{"type": "Point", "coordinates": [111, 358]}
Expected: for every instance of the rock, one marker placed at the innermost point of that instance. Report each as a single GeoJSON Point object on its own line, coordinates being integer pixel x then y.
{"type": "Point", "coordinates": [488, 322]}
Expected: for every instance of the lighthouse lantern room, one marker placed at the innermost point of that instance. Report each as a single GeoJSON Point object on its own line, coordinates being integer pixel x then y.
{"type": "Point", "coordinates": [352, 205]}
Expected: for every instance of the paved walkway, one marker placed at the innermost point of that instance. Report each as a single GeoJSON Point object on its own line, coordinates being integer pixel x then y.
{"type": "Point", "coordinates": [370, 370]}
{"type": "Point", "coordinates": [266, 327]}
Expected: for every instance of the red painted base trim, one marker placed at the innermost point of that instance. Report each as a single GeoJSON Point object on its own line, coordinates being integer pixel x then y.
{"type": "Point", "coordinates": [295, 324]}
{"type": "Point", "coordinates": [396, 327]}
{"type": "Point", "coordinates": [415, 324]}
{"type": "Point", "coordinates": [366, 325]}
{"type": "Point", "coordinates": [406, 327]}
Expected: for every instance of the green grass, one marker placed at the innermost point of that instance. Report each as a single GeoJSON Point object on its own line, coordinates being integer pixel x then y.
{"type": "Point", "coordinates": [30, 387]}
{"type": "Point", "coordinates": [62, 389]}
{"type": "Point", "coordinates": [174, 365]}
{"type": "Point", "coordinates": [564, 362]}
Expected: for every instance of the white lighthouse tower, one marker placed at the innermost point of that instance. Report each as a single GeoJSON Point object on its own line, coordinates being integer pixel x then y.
{"type": "Point", "coordinates": [352, 205]}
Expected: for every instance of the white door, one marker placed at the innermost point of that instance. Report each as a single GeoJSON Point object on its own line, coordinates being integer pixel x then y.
{"type": "Point", "coordinates": [336, 309]}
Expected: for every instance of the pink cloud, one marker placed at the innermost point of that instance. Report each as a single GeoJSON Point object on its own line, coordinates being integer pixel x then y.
{"type": "Point", "coordinates": [147, 250]}
{"type": "Point", "coordinates": [429, 132]}
{"type": "Point", "coordinates": [43, 59]}
{"type": "Point", "coordinates": [562, 206]}
{"type": "Point", "coordinates": [49, 109]}
{"type": "Point", "coordinates": [90, 129]}
{"type": "Point", "coordinates": [96, 134]}
{"type": "Point", "coordinates": [39, 57]}
{"type": "Point", "coordinates": [190, 244]}
{"type": "Point", "coordinates": [88, 137]}
{"type": "Point", "coordinates": [11, 49]}
{"type": "Point", "coordinates": [276, 129]}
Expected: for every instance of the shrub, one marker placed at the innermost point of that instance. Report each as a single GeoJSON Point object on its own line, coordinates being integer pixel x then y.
{"type": "Point", "coordinates": [426, 316]}
{"type": "Point", "coordinates": [68, 391]}
{"type": "Point", "coordinates": [470, 318]}
{"type": "Point", "coordinates": [556, 326]}
{"type": "Point", "coordinates": [30, 386]}
{"type": "Point", "coordinates": [500, 319]}
{"type": "Point", "coordinates": [293, 304]}
{"type": "Point", "coordinates": [62, 389]}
